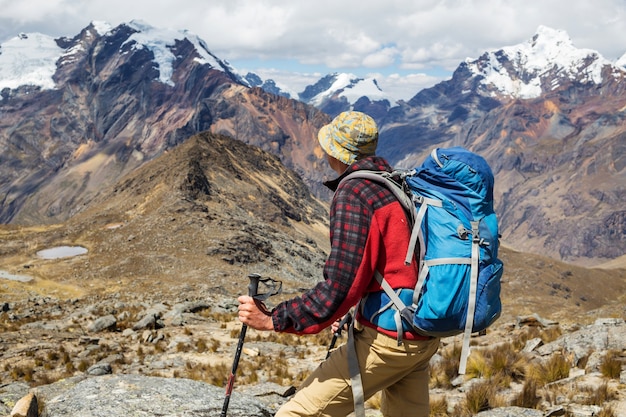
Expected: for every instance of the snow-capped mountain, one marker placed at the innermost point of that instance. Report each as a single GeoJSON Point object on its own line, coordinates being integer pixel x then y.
{"type": "Point", "coordinates": [341, 85]}
{"type": "Point", "coordinates": [334, 93]}
{"type": "Point", "coordinates": [542, 64]}
{"type": "Point", "coordinates": [621, 61]}
{"type": "Point", "coordinates": [77, 114]}
{"type": "Point", "coordinates": [31, 59]}
{"type": "Point", "coordinates": [269, 85]}
{"type": "Point", "coordinates": [339, 92]}
{"type": "Point", "coordinates": [551, 120]}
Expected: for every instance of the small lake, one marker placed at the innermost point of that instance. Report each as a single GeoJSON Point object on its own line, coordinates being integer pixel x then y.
{"type": "Point", "coordinates": [14, 277]}
{"type": "Point", "coordinates": [61, 252]}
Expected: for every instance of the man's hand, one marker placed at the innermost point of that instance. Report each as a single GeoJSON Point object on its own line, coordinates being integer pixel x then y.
{"type": "Point", "coordinates": [341, 324]}
{"type": "Point", "coordinates": [252, 316]}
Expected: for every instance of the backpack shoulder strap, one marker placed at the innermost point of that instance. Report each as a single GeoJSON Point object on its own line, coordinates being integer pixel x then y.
{"type": "Point", "coordinates": [387, 179]}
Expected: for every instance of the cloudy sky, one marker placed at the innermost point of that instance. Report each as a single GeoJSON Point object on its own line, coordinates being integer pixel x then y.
{"type": "Point", "coordinates": [406, 44]}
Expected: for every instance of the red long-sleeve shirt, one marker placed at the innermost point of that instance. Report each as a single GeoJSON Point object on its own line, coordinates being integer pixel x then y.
{"type": "Point", "coordinates": [368, 232]}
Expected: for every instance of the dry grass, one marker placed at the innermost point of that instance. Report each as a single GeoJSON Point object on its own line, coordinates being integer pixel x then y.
{"type": "Point", "coordinates": [438, 407]}
{"type": "Point", "coordinates": [444, 371]}
{"type": "Point", "coordinates": [502, 361]}
{"type": "Point", "coordinates": [611, 366]}
{"type": "Point", "coordinates": [554, 369]}
{"type": "Point", "coordinates": [598, 395]}
{"type": "Point", "coordinates": [477, 398]}
{"type": "Point", "coordinates": [546, 334]}
{"type": "Point", "coordinates": [607, 411]}
{"type": "Point", "coordinates": [528, 398]}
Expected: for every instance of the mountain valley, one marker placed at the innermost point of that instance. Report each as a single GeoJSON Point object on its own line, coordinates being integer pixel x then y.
{"type": "Point", "coordinates": [180, 187]}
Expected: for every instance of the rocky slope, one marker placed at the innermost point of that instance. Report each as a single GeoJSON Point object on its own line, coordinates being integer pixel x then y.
{"type": "Point", "coordinates": [170, 246]}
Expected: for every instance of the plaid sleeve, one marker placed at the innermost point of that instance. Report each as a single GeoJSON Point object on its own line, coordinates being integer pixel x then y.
{"type": "Point", "coordinates": [316, 309]}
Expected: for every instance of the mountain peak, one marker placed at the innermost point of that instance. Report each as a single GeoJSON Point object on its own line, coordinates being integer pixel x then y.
{"type": "Point", "coordinates": [544, 62]}
{"type": "Point", "coordinates": [31, 59]}
{"type": "Point", "coordinates": [548, 36]}
{"type": "Point", "coordinates": [337, 92]}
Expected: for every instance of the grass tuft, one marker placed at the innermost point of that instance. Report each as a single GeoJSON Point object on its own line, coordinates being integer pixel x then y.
{"type": "Point", "coordinates": [611, 366]}
{"type": "Point", "coordinates": [528, 397]}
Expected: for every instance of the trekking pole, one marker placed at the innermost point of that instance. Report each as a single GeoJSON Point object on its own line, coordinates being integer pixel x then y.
{"type": "Point", "coordinates": [345, 320]}
{"type": "Point", "coordinates": [253, 288]}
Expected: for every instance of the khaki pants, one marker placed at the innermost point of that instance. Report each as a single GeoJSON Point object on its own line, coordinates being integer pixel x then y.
{"type": "Point", "coordinates": [400, 372]}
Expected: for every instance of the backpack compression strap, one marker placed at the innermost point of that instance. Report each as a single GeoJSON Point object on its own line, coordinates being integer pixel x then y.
{"type": "Point", "coordinates": [358, 395]}
{"type": "Point", "coordinates": [416, 233]}
{"type": "Point", "coordinates": [471, 307]}
{"type": "Point", "coordinates": [400, 309]}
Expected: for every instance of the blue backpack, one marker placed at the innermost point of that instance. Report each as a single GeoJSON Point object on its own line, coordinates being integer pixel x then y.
{"type": "Point", "coordinates": [450, 202]}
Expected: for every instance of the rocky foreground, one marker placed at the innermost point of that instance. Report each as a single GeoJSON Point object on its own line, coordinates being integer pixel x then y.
{"type": "Point", "coordinates": [122, 357]}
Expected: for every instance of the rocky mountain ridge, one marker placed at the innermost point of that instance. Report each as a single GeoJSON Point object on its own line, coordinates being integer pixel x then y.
{"type": "Point", "coordinates": [111, 111]}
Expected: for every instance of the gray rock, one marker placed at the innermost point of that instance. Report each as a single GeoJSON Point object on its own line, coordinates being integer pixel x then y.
{"type": "Point", "coordinates": [584, 410]}
{"type": "Point", "coordinates": [10, 394]}
{"type": "Point", "coordinates": [532, 344]}
{"type": "Point", "coordinates": [511, 412]}
{"type": "Point", "coordinates": [152, 320]}
{"type": "Point", "coordinates": [588, 339]}
{"type": "Point", "coordinates": [102, 323]}
{"type": "Point", "coordinates": [187, 307]}
{"type": "Point", "coordinates": [100, 369]}
{"type": "Point", "coordinates": [535, 319]}
{"type": "Point", "coordinates": [136, 395]}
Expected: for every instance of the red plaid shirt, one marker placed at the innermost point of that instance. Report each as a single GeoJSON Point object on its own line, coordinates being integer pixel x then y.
{"type": "Point", "coordinates": [368, 232]}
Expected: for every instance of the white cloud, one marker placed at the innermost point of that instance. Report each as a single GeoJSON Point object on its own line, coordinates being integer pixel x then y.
{"type": "Point", "coordinates": [381, 58]}
{"type": "Point", "coordinates": [393, 37]}
{"type": "Point", "coordinates": [404, 87]}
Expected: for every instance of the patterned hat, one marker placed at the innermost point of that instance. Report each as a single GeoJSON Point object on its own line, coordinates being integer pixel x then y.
{"type": "Point", "coordinates": [350, 136]}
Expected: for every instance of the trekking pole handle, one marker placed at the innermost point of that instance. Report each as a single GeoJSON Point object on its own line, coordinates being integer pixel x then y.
{"type": "Point", "coordinates": [253, 286]}
{"type": "Point", "coordinates": [347, 319]}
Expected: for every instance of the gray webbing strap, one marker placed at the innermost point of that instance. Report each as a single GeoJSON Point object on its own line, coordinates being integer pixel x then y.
{"type": "Point", "coordinates": [471, 307]}
{"type": "Point", "coordinates": [426, 267]}
{"type": "Point", "coordinates": [384, 178]}
{"type": "Point", "coordinates": [355, 375]}
{"type": "Point", "coordinates": [380, 310]}
{"type": "Point", "coordinates": [400, 306]}
{"type": "Point", "coordinates": [434, 155]}
{"type": "Point", "coordinates": [416, 233]}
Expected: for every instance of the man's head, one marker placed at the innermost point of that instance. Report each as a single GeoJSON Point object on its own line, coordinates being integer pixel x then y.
{"type": "Point", "coordinates": [351, 135]}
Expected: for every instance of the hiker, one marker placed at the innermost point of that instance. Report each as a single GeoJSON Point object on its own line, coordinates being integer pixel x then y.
{"type": "Point", "coordinates": [369, 232]}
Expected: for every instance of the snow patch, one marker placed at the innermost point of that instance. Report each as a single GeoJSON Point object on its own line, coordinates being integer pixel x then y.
{"type": "Point", "coordinates": [102, 28]}
{"type": "Point", "coordinates": [29, 59]}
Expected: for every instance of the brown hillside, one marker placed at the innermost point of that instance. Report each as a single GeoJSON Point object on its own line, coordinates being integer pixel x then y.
{"type": "Point", "coordinates": [212, 211]}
